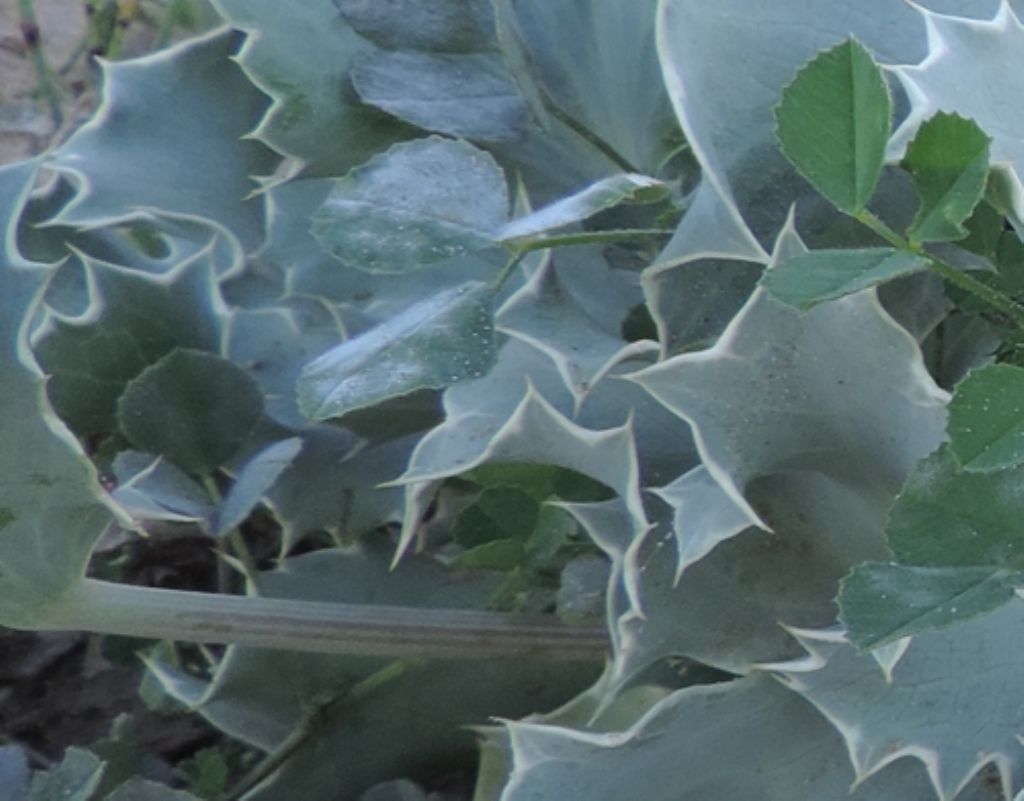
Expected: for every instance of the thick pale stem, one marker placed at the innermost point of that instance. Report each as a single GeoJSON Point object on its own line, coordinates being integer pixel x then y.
{"type": "Point", "coordinates": [107, 608]}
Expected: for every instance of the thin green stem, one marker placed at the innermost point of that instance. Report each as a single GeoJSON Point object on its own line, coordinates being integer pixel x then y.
{"type": "Point", "coordinates": [589, 238]}
{"type": "Point", "coordinates": [233, 538]}
{"type": "Point", "coordinates": [313, 721]}
{"type": "Point", "coordinates": [966, 282]}
{"type": "Point", "coordinates": [317, 627]}
{"type": "Point", "coordinates": [509, 268]}
{"type": "Point", "coordinates": [46, 84]}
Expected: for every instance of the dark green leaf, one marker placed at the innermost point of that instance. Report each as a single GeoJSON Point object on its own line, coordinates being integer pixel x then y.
{"type": "Point", "coordinates": [986, 418]}
{"type": "Point", "coordinates": [194, 408]}
{"type": "Point", "coordinates": [434, 343]}
{"type": "Point", "coordinates": [821, 275]}
{"type": "Point", "coordinates": [502, 512]}
{"type": "Point", "coordinates": [468, 96]}
{"type": "Point", "coordinates": [945, 517]}
{"type": "Point", "coordinates": [505, 554]}
{"type": "Point", "coordinates": [833, 124]}
{"type": "Point", "coordinates": [416, 204]}
{"type": "Point", "coordinates": [880, 603]}
{"type": "Point", "coordinates": [948, 159]}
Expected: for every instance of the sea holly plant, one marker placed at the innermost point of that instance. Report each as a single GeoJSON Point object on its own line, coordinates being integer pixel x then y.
{"type": "Point", "coordinates": [582, 400]}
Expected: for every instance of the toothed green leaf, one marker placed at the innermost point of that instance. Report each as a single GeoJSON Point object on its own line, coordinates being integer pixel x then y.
{"type": "Point", "coordinates": [191, 407]}
{"type": "Point", "coordinates": [986, 418]}
{"type": "Point", "coordinates": [948, 160]}
{"type": "Point", "coordinates": [822, 275]}
{"type": "Point", "coordinates": [833, 124]}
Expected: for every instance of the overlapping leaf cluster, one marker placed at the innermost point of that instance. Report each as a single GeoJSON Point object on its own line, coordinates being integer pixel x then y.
{"type": "Point", "coordinates": [612, 308]}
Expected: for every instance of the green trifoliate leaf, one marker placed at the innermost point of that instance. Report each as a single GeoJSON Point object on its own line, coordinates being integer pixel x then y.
{"type": "Point", "coordinates": [881, 603]}
{"type": "Point", "coordinates": [434, 343]}
{"type": "Point", "coordinates": [948, 159]}
{"type": "Point", "coordinates": [973, 67]}
{"type": "Point", "coordinates": [194, 408]}
{"type": "Point", "coordinates": [503, 512]}
{"type": "Point", "coordinates": [604, 194]}
{"type": "Point", "coordinates": [464, 95]}
{"type": "Point", "coordinates": [959, 549]}
{"type": "Point", "coordinates": [945, 517]}
{"type": "Point", "coordinates": [986, 418]}
{"type": "Point", "coordinates": [416, 204]}
{"type": "Point", "coordinates": [252, 483]}
{"type": "Point", "coordinates": [820, 275]}
{"type": "Point", "coordinates": [833, 124]}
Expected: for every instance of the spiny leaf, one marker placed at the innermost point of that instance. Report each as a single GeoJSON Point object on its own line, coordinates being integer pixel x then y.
{"type": "Point", "coordinates": [948, 159]}
{"type": "Point", "coordinates": [253, 481]}
{"type": "Point", "coordinates": [192, 105]}
{"type": "Point", "coordinates": [946, 683]}
{"type": "Point", "coordinates": [192, 407]}
{"type": "Point", "coordinates": [833, 124]}
{"type": "Point", "coordinates": [434, 343]}
{"type": "Point", "coordinates": [986, 418]}
{"type": "Point", "coordinates": [822, 275]}
{"type": "Point", "coordinates": [418, 203]}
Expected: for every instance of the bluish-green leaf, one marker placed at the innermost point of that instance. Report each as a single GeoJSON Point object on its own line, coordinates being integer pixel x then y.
{"type": "Point", "coordinates": [833, 124]}
{"type": "Point", "coordinates": [986, 418]}
{"type": "Point", "coordinates": [315, 117]}
{"type": "Point", "coordinates": [253, 481]}
{"type": "Point", "coordinates": [194, 408]}
{"type": "Point", "coordinates": [880, 603]}
{"type": "Point", "coordinates": [151, 488]}
{"type": "Point", "coordinates": [444, 26]}
{"type": "Point", "coordinates": [948, 159]}
{"type": "Point", "coordinates": [434, 343]}
{"type": "Point", "coordinates": [807, 280]}
{"type": "Point", "coordinates": [419, 203]}
{"type": "Point", "coordinates": [463, 95]}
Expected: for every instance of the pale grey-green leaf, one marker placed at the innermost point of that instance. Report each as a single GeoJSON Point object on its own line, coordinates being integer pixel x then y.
{"type": "Point", "coordinates": [461, 95]}
{"type": "Point", "coordinates": [169, 137]}
{"type": "Point", "coordinates": [418, 203]}
{"type": "Point", "coordinates": [434, 343]}
{"type": "Point", "coordinates": [946, 683]}
{"type": "Point", "coordinates": [456, 26]}
{"type": "Point", "coordinates": [151, 488]}
{"type": "Point", "coordinates": [253, 481]}
{"type": "Point", "coordinates": [687, 748]}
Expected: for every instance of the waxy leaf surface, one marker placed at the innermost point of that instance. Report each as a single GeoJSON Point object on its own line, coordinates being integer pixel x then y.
{"type": "Point", "coordinates": [419, 203]}
{"type": "Point", "coordinates": [986, 418]}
